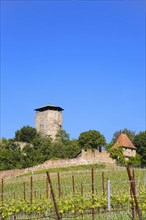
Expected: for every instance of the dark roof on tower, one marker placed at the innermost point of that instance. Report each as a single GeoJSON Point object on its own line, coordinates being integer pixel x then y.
{"type": "Point", "coordinates": [49, 107]}
{"type": "Point", "coordinates": [124, 141]}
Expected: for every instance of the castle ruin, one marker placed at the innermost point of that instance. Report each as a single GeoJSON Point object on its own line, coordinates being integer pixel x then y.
{"type": "Point", "coordinates": [48, 120]}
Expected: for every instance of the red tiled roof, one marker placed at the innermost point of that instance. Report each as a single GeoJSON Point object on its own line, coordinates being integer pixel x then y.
{"type": "Point", "coordinates": [124, 141]}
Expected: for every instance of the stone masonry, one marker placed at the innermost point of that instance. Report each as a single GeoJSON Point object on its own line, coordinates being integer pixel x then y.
{"type": "Point", "coordinates": [85, 157]}
{"type": "Point", "coordinates": [48, 120]}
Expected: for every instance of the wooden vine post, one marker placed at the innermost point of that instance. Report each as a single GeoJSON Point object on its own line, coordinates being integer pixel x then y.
{"type": "Point", "coordinates": [82, 193]}
{"type": "Point", "coordinates": [2, 197]}
{"type": "Point", "coordinates": [92, 179]}
{"type": "Point", "coordinates": [133, 194]}
{"type": "Point", "coordinates": [31, 188]}
{"type": "Point", "coordinates": [73, 184]}
{"type": "Point", "coordinates": [24, 191]}
{"type": "Point", "coordinates": [59, 185]}
{"type": "Point", "coordinates": [47, 188]}
{"type": "Point", "coordinates": [2, 191]}
{"type": "Point", "coordinates": [103, 183]}
{"type": "Point", "coordinates": [53, 196]}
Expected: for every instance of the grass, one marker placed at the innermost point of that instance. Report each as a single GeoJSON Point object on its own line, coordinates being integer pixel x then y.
{"type": "Point", "coordinates": [14, 187]}
{"type": "Point", "coordinates": [107, 216]}
{"type": "Point", "coordinates": [82, 176]}
{"type": "Point", "coordinates": [65, 169]}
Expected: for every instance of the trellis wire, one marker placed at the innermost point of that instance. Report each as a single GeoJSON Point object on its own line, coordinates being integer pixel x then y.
{"type": "Point", "coordinates": [59, 189]}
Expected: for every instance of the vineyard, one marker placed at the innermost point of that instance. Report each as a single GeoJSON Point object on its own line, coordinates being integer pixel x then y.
{"type": "Point", "coordinates": [117, 193]}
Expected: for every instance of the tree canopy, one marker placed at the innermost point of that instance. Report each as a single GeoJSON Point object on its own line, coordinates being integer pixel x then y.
{"type": "Point", "coordinates": [26, 134]}
{"type": "Point", "coordinates": [117, 154]}
{"type": "Point", "coordinates": [91, 139]}
{"type": "Point", "coordinates": [39, 149]}
{"type": "Point", "coordinates": [129, 133]}
{"type": "Point", "coordinates": [140, 144]}
{"type": "Point", "coordinates": [10, 155]}
{"type": "Point", "coordinates": [62, 136]}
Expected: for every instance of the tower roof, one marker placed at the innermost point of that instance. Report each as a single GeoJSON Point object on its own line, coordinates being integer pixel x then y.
{"type": "Point", "coordinates": [49, 107]}
{"type": "Point", "coordinates": [124, 141]}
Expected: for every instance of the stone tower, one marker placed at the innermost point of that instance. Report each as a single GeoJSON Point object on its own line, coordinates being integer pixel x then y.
{"type": "Point", "coordinates": [48, 120]}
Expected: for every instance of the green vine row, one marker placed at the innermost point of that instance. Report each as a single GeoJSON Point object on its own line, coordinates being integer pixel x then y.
{"type": "Point", "coordinates": [69, 204]}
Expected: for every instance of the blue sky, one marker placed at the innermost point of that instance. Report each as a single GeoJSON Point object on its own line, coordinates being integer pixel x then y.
{"type": "Point", "coordinates": [87, 57]}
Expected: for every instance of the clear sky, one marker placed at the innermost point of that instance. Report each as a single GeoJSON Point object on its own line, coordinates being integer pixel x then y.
{"type": "Point", "coordinates": [87, 57]}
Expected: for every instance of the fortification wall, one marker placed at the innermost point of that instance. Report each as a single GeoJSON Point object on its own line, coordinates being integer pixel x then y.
{"type": "Point", "coordinates": [48, 122]}
{"type": "Point", "coordinates": [95, 155]}
{"type": "Point", "coordinates": [86, 157]}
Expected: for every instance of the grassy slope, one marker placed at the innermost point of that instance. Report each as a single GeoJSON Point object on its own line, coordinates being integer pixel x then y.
{"type": "Point", "coordinates": [14, 187]}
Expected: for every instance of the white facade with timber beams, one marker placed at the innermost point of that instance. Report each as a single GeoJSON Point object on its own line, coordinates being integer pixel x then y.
{"type": "Point", "coordinates": [48, 120]}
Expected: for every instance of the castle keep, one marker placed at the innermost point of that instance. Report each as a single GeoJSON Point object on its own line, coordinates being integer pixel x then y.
{"type": "Point", "coordinates": [48, 120]}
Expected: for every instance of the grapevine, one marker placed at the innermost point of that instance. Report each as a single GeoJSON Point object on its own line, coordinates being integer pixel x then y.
{"type": "Point", "coordinates": [69, 204]}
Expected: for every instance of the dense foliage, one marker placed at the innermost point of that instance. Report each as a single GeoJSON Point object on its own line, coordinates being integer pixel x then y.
{"type": "Point", "coordinates": [140, 144]}
{"type": "Point", "coordinates": [37, 149]}
{"type": "Point", "coordinates": [129, 133]}
{"type": "Point", "coordinates": [26, 134]}
{"type": "Point", "coordinates": [92, 140]}
{"type": "Point", "coordinates": [10, 155]}
{"type": "Point", "coordinates": [117, 154]}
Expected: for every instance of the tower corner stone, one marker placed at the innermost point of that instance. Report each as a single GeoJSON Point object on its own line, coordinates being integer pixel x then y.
{"type": "Point", "coordinates": [48, 120]}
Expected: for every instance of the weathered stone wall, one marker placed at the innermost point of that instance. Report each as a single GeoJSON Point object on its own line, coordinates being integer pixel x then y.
{"type": "Point", "coordinates": [86, 157]}
{"type": "Point", "coordinates": [48, 122]}
{"type": "Point", "coordinates": [10, 173]}
{"type": "Point", "coordinates": [95, 155]}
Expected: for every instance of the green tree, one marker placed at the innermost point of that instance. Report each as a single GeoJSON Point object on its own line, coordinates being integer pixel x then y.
{"type": "Point", "coordinates": [59, 150]}
{"type": "Point", "coordinates": [109, 146]}
{"type": "Point", "coordinates": [67, 149]}
{"type": "Point", "coordinates": [117, 154]}
{"type": "Point", "coordinates": [63, 147]}
{"type": "Point", "coordinates": [62, 136]}
{"type": "Point", "coordinates": [38, 152]}
{"type": "Point", "coordinates": [26, 134]}
{"type": "Point", "coordinates": [129, 133]}
{"type": "Point", "coordinates": [3, 142]}
{"type": "Point", "coordinates": [28, 156]}
{"type": "Point", "coordinates": [44, 150]}
{"type": "Point", "coordinates": [91, 139]}
{"type": "Point", "coordinates": [140, 143]}
{"type": "Point", "coordinates": [10, 155]}
{"type": "Point", "coordinates": [135, 161]}
{"type": "Point", "coordinates": [72, 149]}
